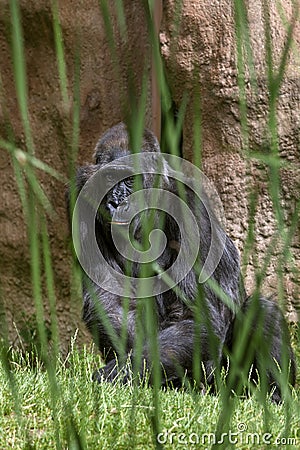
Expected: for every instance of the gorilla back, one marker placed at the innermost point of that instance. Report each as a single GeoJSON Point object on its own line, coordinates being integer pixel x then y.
{"type": "Point", "coordinates": [199, 327]}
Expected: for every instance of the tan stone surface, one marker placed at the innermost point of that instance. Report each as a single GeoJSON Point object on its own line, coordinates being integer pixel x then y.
{"type": "Point", "coordinates": [200, 56]}
{"type": "Point", "coordinates": [103, 97]}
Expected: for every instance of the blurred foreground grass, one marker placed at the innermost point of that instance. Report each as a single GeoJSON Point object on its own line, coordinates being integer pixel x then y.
{"type": "Point", "coordinates": [87, 415]}
{"type": "Point", "coordinates": [54, 404]}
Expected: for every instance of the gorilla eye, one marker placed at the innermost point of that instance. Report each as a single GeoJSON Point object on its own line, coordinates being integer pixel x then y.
{"type": "Point", "coordinates": [129, 182]}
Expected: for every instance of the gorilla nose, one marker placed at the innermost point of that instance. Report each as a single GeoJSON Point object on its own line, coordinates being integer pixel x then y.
{"type": "Point", "coordinates": [118, 212]}
{"type": "Point", "coordinates": [111, 207]}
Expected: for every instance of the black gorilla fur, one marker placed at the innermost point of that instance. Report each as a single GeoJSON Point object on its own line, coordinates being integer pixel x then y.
{"type": "Point", "coordinates": [221, 327]}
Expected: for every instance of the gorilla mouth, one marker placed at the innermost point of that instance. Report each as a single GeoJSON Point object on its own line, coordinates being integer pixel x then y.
{"type": "Point", "coordinates": [109, 220]}
{"type": "Point", "coordinates": [119, 222]}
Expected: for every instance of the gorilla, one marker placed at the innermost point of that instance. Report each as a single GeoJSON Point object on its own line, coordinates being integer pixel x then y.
{"type": "Point", "coordinates": [201, 329]}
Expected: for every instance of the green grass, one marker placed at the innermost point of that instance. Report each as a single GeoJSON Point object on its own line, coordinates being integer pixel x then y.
{"type": "Point", "coordinates": [112, 416]}
{"type": "Point", "coordinates": [54, 404]}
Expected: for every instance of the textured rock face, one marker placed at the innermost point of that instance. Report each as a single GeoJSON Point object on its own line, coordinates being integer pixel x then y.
{"type": "Point", "coordinates": [102, 97]}
{"type": "Point", "coordinates": [201, 59]}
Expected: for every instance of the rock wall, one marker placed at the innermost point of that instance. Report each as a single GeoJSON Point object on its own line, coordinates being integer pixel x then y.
{"type": "Point", "coordinates": [199, 47]}
{"type": "Point", "coordinates": [200, 58]}
{"type": "Point", "coordinates": [104, 88]}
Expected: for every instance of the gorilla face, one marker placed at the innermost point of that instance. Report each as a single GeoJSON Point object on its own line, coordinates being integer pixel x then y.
{"type": "Point", "coordinates": [115, 205]}
{"type": "Point", "coordinates": [117, 218]}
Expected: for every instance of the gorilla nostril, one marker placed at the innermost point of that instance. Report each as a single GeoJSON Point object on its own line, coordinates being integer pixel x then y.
{"type": "Point", "coordinates": [125, 204]}
{"type": "Point", "coordinates": [111, 207]}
